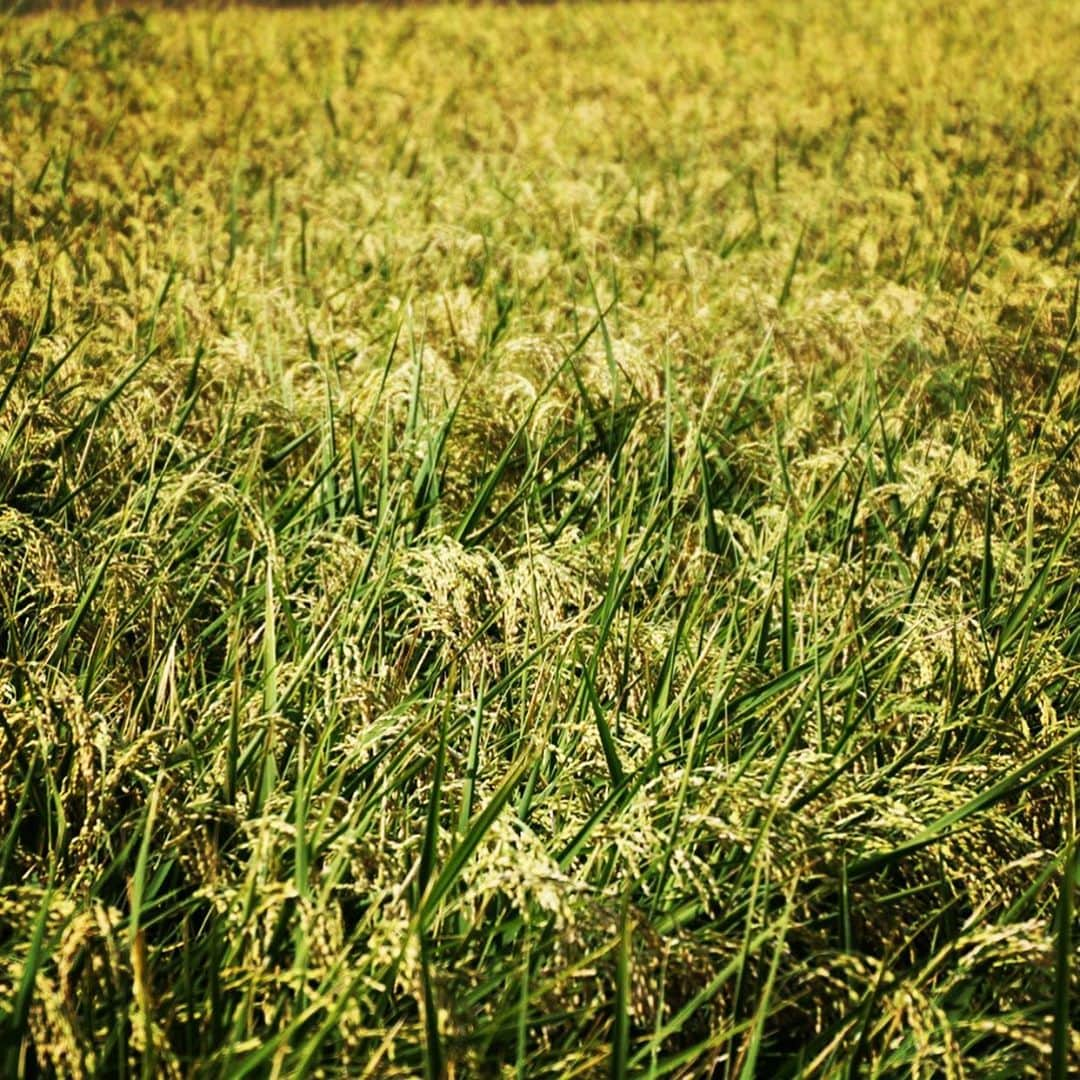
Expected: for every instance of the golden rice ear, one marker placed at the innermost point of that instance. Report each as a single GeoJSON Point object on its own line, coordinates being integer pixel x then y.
{"type": "Point", "coordinates": [452, 596]}
{"type": "Point", "coordinates": [89, 956]}
{"type": "Point", "coordinates": [623, 370]}
{"type": "Point", "coordinates": [50, 730]}
{"type": "Point", "coordinates": [550, 590]}
{"type": "Point", "coordinates": [36, 578]}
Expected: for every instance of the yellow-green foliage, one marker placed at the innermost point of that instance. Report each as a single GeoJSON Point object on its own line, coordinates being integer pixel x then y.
{"type": "Point", "coordinates": [540, 541]}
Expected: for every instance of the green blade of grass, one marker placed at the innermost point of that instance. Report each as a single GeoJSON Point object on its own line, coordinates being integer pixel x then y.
{"type": "Point", "coordinates": [455, 862]}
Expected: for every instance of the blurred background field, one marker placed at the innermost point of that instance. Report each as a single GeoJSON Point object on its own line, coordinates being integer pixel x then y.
{"type": "Point", "coordinates": [541, 541]}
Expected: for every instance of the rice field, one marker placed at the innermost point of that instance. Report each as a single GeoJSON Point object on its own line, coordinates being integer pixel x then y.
{"type": "Point", "coordinates": [540, 542]}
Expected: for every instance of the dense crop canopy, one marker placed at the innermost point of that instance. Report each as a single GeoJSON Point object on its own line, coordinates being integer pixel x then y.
{"type": "Point", "coordinates": [541, 541]}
